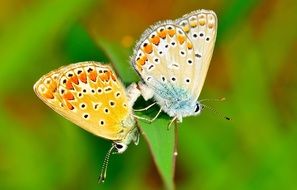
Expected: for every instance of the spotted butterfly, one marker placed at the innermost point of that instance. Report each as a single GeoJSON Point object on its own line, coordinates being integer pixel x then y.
{"type": "Point", "coordinates": [172, 58]}
{"type": "Point", "coordinates": [90, 95]}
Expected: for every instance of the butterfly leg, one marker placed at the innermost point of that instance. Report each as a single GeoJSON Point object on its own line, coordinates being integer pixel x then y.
{"type": "Point", "coordinates": [171, 122]}
{"type": "Point", "coordinates": [142, 118]}
{"type": "Point", "coordinates": [146, 108]}
{"type": "Point", "coordinates": [156, 116]}
{"type": "Point", "coordinates": [149, 120]}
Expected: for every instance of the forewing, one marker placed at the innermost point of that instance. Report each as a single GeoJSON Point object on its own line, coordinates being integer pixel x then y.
{"type": "Point", "coordinates": [89, 95]}
{"type": "Point", "coordinates": [201, 28]}
{"type": "Point", "coordinates": [164, 58]}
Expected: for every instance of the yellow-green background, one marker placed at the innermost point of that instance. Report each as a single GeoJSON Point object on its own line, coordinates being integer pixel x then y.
{"type": "Point", "coordinates": [253, 66]}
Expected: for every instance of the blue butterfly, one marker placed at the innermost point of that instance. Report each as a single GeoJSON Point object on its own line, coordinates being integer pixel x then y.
{"type": "Point", "coordinates": [172, 58]}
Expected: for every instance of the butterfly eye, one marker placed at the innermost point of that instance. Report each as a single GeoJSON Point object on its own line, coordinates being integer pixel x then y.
{"type": "Point", "coordinates": [197, 109]}
{"type": "Point", "coordinates": [121, 147]}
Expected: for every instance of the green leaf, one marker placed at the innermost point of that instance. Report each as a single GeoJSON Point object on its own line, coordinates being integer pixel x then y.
{"type": "Point", "coordinates": [162, 144]}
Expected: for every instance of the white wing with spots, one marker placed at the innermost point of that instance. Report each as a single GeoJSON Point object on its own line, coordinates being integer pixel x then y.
{"type": "Point", "coordinates": [164, 58]}
{"type": "Point", "coordinates": [174, 55]}
{"type": "Point", "coordinates": [201, 28]}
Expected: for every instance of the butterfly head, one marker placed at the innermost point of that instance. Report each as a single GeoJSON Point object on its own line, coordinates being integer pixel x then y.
{"type": "Point", "coordinates": [121, 146]}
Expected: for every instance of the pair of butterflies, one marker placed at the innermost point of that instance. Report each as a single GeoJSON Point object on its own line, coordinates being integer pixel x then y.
{"type": "Point", "coordinates": [172, 59]}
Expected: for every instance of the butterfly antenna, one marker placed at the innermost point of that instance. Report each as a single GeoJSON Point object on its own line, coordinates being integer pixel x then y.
{"type": "Point", "coordinates": [213, 100]}
{"type": "Point", "coordinates": [215, 111]}
{"type": "Point", "coordinates": [102, 175]}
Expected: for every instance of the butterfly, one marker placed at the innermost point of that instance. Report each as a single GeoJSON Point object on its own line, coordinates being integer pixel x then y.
{"type": "Point", "coordinates": [90, 95]}
{"type": "Point", "coordinates": [172, 58]}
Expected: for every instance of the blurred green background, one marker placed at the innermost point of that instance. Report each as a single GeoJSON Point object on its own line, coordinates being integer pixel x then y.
{"type": "Point", "coordinates": [254, 66]}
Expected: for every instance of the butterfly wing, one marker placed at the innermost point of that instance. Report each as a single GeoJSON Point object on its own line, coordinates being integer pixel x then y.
{"type": "Point", "coordinates": [89, 95]}
{"type": "Point", "coordinates": [201, 28]}
{"type": "Point", "coordinates": [164, 58]}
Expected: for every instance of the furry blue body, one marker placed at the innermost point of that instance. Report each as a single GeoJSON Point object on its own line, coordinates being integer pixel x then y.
{"type": "Point", "coordinates": [175, 101]}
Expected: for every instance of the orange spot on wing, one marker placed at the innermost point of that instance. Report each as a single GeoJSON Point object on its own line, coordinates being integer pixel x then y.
{"type": "Point", "coordinates": [139, 68]}
{"type": "Point", "coordinates": [108, 74]}
{"type": "Point", "coordinates": [69, 84]}
{"type": "Point", "coordinates": [74, 79]}
{"type": "Point", "coordinates": [186, 28]}
{"type": "Point", "coordinates": [155, 40]}
{"type": "Point", "coordinates": [113, 77]}
{"type": "Point", "coordinates": [69, 106]}
{"type": "Point", "coordinates": [53, 86]}
{"type": "Point", "coordinates": [48, 95]}
{"type": "Point", "coordinates": [104, 76]}
{"type": "Point", "coordinates": [162, 34]}
{"type": "Point", "coordinates": [144, 58]}
{"type": "Point", "coordinates": [141, 60]}
{"type": "Point", "coordinates": [189, 45]}
{"type": "Point", "coordinates": [68, 96]}
{"type": "Point", "coordinates": [139, 64]}
{"type": "Point", "coordinates": [202, 20]}
{"type": "Point", "coordinates": [181, 39]}
{"type": "Point", "coordinates": [83, 77]}
{"type": "Point", "coordinates": [71, 80]}
{"type": "Point", "coordinates": [93, 75]}
{"type": "Point", "coordinates": [171, 32]}
{"type": "Point", "coordinates": [193, 23]}
{"type": "Point", "coordinates": [148, 48]}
